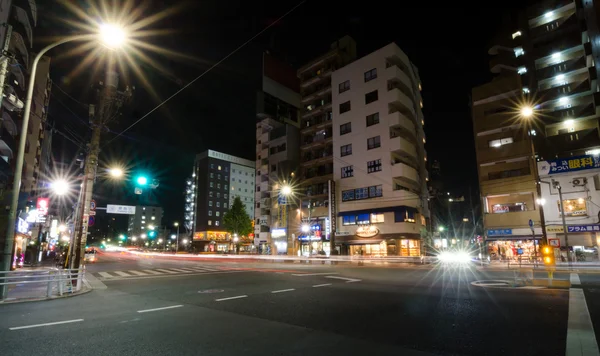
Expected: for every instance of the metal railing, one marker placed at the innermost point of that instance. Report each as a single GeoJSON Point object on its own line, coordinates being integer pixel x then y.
{"type": "Point", "coordinates": [57, 281]}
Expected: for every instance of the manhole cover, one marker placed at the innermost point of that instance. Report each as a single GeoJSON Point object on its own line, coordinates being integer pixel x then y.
{"type": "Point", "coordinates": [210, 291]}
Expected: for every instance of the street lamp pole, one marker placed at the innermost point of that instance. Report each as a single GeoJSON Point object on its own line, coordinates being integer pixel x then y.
{"type": "Point", "coordinates": [177, 241]}
{"type": "Point", "coordinates": [10, 231]}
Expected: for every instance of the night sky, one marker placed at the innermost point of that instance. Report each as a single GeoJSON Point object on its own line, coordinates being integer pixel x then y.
{"type": "Point", "coordinates": [448, 45]}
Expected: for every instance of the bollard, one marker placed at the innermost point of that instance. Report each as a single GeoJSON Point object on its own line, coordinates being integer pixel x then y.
{"type": "Point", "coordinates": [60, 282]}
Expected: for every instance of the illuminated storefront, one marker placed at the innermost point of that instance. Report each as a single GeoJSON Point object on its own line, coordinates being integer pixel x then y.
{"type": "Point", "coordinates": [221, 242]}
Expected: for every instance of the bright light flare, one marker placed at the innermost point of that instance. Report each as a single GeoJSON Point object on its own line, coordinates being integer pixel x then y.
{"type": "Point", "coordinates": [454, 257]}
{"type": "Point", "coordinates": [527, 111]}
{"type": "Point", "coordinates": [112, 35]}
{"type": "Point", "coordinates": [116, 172]}
{"type": "Point", "coordinates": [286, 190]}
{"type": "Point", "coordinates": [60, 187]}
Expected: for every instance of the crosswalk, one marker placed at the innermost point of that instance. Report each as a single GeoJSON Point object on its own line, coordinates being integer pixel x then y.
{"type": "Point", "coordinates": [155, 272]}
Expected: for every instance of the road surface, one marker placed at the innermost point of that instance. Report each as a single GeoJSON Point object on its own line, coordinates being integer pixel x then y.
{"type": "Point", "coordinates": [155, 306]}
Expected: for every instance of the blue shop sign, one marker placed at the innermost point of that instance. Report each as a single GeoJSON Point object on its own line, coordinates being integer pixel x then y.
{"type": "Point", "coordinates": [570, 164]}
{"type": "Point", "coordinates": [499, 232]}
{"type": "Point", "coordinates": [583, 228]}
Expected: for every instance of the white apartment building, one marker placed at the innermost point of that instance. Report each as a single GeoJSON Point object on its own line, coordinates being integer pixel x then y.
{"type": "Point", "coordinates": [579, 179]}
{"type": "Point", "coordinates": [379, 156]}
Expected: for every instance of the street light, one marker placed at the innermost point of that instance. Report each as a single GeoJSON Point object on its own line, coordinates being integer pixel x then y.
{"type": "Point", "coordinates": [286, 190]}
{"type": "Point", "coordinates": [141, 180]}
{"type": "Point", "coordinates": [441, 229]}
{"type": "Point", "coordinates": [115, 172]}
{"type": "Point", "coordinates": [526, 111]}
{"type": "Point", "coordinates": [176, 224]}
{"type": "Point", "coordinates": [60, 187]}
{"type": "Point", "coordinates": [112, 37]}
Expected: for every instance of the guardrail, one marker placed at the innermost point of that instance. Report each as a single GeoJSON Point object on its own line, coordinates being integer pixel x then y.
{"type": "Point", "coordinates": [60, 280]}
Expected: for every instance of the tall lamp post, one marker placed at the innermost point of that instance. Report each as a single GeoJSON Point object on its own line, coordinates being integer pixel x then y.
{"type": "Point", "coordinates": [176, 224]}
{"type": "Point", "coordinates": [112, 36]}
{"type": "Point", "coordinates": [527, 113]}
{"type": "Point", "coordinates": [285, 193]}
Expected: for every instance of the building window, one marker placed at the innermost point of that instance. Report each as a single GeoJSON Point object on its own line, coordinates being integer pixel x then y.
{"type": "Point", "coordinates": [345, 128]}
{"type": "Point", "coordinates": [348, 195]}
{"type": "Point", "coordinates": [211, 184]}
{"type": "Point", "coordinates": [210, 213]}
{"type": "Point", "coordinates": [345, 86]}
{"type": "Point", "coordinates": [371, 97]}
{"type": "Point", "coordinates": [361, 193]}
{"type": "Point", "coordinates": [217, 223]}
{"type": "Point", "coordinates": [347, 171]}
{"type": "Point", "coordinates": [377, 219]}
{"type": "Point", "coordinates": [225, 205]}
{"type": "Point", "coordinates": [218, 204]}
{"type": "Point", "coordinates": [370, 75]}
{"type": "Point", "coordinates": [218, 195]}
{"type": "Point", "coordinates": [210, 194]}
{"type": "Point", "coordinates": [344, 107]}
{"type": "Point", "coordinates": [219, 167]}
{"type": "Point", "coordinates": [212, 175]}
{"type": "Point", "coordinates": [218, 185]}
{"type": "Point", "coordinates": [373, 142]}
{"type": "Point", "coordinates": [209, 222]}
{"type": "Point", "coordinates": [374, 166]}
{"type": "Point", "coordinates": [210, 203]}
{"type": "Point", "coordinates": [225, 195]}
{"type": "Point", "coordinates": [218, 176]}
{"type": "Point", "coordinates": [217, 213]}
{"type": "Point", "coordinates": [500, 142]}
{"type": "Point", "coordinates": [376, 191]}
{"type": "Point", "coordinates": [373, 119]}
{"type": "Point", "coordinates": [212, 166]}
{"type": "Point", "coordinates": [346, 150]}
{"type": "Point", "coordinates": [227, 187]}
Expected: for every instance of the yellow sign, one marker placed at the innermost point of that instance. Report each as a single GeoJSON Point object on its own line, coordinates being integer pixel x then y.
{"type": "Point", "coordinates": [282, 216]}
{"type": "Point", "coordinates": [367, 231]}
{"type": "Point", "coordinates": [574, 207]}
{"type": "Point", "coordinates": [554, 229]}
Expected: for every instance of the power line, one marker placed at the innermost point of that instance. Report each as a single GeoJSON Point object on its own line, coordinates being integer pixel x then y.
{"type": "Point", "coordinates": [207, 71]}
{"type": "Point", "coordinates": [69, 96]}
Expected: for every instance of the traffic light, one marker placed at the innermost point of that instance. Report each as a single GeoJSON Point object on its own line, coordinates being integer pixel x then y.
{"type": "Point", "coordinates": [548, 255]}
{"type": "Point", "coordinates": [152, 234]}
{"type": "Point", "coordinates": [141, 180]}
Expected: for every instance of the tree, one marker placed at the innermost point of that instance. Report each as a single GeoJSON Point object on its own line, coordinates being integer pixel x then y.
{"type": "Point", "coordinates": [236, 220]}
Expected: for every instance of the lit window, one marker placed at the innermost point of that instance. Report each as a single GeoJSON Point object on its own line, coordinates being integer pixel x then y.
{"type": "Point", "coordinates": [217, 213]}
{"type": "Point", "coordinates": [152, 218]}
{"type": "Point", "coordinates": [217, 223]}
{"type": "Point", "coordinates": [525, 90]}
{"type": "Point", "coordinates": [516, 34]}
{"type": "Point", "coordinates": [519, 51]}
{"type": "Point", "coordinates": [377, 218]}
{"type": "Point", "coordinates": [219, 167]}
{"type": "Point", "coordinates": [522, 70]}
{"type": "Point", "coordinates": [209, 222]}
{"type": "Point", "coordinates": [500, 142]}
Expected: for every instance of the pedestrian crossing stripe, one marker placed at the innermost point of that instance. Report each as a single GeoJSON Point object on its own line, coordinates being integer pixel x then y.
{"type": "Point", "coordinates": [153, 272]}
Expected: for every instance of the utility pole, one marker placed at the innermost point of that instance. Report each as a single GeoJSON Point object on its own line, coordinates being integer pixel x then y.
{"type": "Point", "coordinates": [557, 186]}
{"type": "Point", "coordinates": [109, 102]}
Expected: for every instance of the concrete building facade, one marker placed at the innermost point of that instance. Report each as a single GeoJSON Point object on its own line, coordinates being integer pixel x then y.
{"type": "Point", "coordinates": [379, 160]}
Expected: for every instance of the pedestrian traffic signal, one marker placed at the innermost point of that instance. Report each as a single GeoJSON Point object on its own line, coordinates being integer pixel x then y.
{"type": "Point", "coordinates": [548, 255]}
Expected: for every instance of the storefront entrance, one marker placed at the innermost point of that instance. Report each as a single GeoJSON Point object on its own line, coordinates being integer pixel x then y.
{"type": "Point", "coordinates": [510, 250]}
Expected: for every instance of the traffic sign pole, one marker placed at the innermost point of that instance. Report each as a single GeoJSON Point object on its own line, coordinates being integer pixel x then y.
{"type": "Point", "coordinates": [534, 244]}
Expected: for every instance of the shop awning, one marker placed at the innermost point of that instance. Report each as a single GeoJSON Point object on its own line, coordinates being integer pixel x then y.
{"type": "Point", "coordinates": [513, 237]}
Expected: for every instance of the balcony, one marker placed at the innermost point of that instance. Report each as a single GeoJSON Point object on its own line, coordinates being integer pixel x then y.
{"type": "Point", "coordinates": [561, 68]}
{"type": "Point", "coordinates": [514, 220]}
{"type": "Point", "coordinates": [403, 148]}
{"type": "Point", "coordinates": [316, 122]}
{"type": "Point", "coordinates": [396, 98]}
{"type": "Point", "coordinates": [493, 154]}
{"type": "Point", "coordinates": [582, 108]}
{"type": "Point", "coordinates": [324, 171]}
{"type": "Point", "coordinates": [399, 121]}
{"type": "Point", "coordinates": [321, 137]}
{"type": "Point", "coordinates": [318, 109]}
{"type": "Point", "coordinates": [317, 157]}
{"type": "Point", "coordinates": [404, 172]}
{"type": "Point", "coordinates": [396, 74]}
{"type": "Point", "coordinates": [572, 141]}
{"type": "Point", "coordinates": [564, 90]}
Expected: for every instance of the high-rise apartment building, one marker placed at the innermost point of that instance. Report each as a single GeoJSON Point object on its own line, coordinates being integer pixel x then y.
{"type": "Point", "coordinates": [316, 141]}
{"type": "Point", "coordinates": [145, 219]}
{"type": "Point", "coordinates": [541, 105]}
{"type": "Point", "coordinates": [379, 160]}
{"type": "Point", "coordinates": [277, 156]}
{"type": "Point", "coordinates": [219, 178]}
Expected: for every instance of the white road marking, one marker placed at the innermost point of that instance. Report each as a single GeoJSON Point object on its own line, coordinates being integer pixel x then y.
{"type": "Point", "coordinates": [310, 274]}
{"type": "Point", "coordinates": [138, 273]}
{"type": "Point", "coordinates": [157, 309]}
{"type": "Point", "coordinates": [151, 271]}
{"type": "Point", "coordinates": [105, 274]}
{"type": "Point", "coordinates": [207, 269]}
{"type": "Point", "coordinates": [321, 285]}
{"type": "Point", "coordinates": [122, 274]}
{"type": "Point", "coordinates": [178, 270]}
{"type": "Point", "coordinates": [229, 298]}
{"type": "Point", "coordinates": [581, 339]}
{"type": "Point", "coordinates": [45, 324]}
{"type": "Point", "coordinates": [348, 280]}
{"type": "Point", "coordinates": [172, 274]}
{"type": "Point", "coordinates": [187, 269]}
{"type": "Point", "coordinates": [283, 290]}
{"type": "Point", "coordinates": [165, 271]}
{"type": "Point", "coordinates": [575, 279]}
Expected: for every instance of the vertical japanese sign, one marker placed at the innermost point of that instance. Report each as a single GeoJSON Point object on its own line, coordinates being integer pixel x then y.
{"type": "Point", "coordinates": [42, 206]}
{"type": "Point", "coordinates": [282, 216]}
{"type": "Point", "coordinates": [332, 211]}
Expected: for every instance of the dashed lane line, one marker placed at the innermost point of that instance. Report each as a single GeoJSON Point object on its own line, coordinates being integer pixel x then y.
{"type": "Point", "coordinates": [158, 309]}
{"type": "Point", "coordinates": [231, 298]}
{"type": "Point", "coordinates": [45, 324]}
{"type": "Point", "coordinates": [311, 274]}
{"type": "Point", "coordinates": [348, 280]}
{"type": "Point", "coordinates": [321, 285]}
{"type": "Point", "coordinates": [283, 290]}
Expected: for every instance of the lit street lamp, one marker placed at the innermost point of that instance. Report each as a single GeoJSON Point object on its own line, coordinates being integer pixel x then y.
{"type": "Point", "coordinates": [60, 187]}
{"type": "Point", "coordinates": [112, 36]}
{"type": "Point", "coordinates": [176, 224]}
{"type": "Point", "coordinates": [116, 172]}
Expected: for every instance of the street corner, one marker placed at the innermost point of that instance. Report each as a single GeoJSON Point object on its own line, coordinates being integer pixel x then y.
{"type": "Point", "coordinates": [538, 283]}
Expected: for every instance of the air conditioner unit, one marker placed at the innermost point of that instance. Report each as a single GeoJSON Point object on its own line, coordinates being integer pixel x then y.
{"type": "Point", "coordinates": [579, 182]}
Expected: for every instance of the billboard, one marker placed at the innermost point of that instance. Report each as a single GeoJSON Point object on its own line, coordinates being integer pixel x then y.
{"type": "Point", "coordinates": [42, 206]}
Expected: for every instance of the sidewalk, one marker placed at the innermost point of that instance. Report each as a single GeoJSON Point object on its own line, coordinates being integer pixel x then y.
{"type": "Point", "coordinates": [41, 283]}
{"type": "Point", "coordinates": [592, 267]}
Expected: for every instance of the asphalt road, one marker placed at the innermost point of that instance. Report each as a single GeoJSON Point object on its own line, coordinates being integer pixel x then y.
{"type": "Point", "coordinates": [155, 306]}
